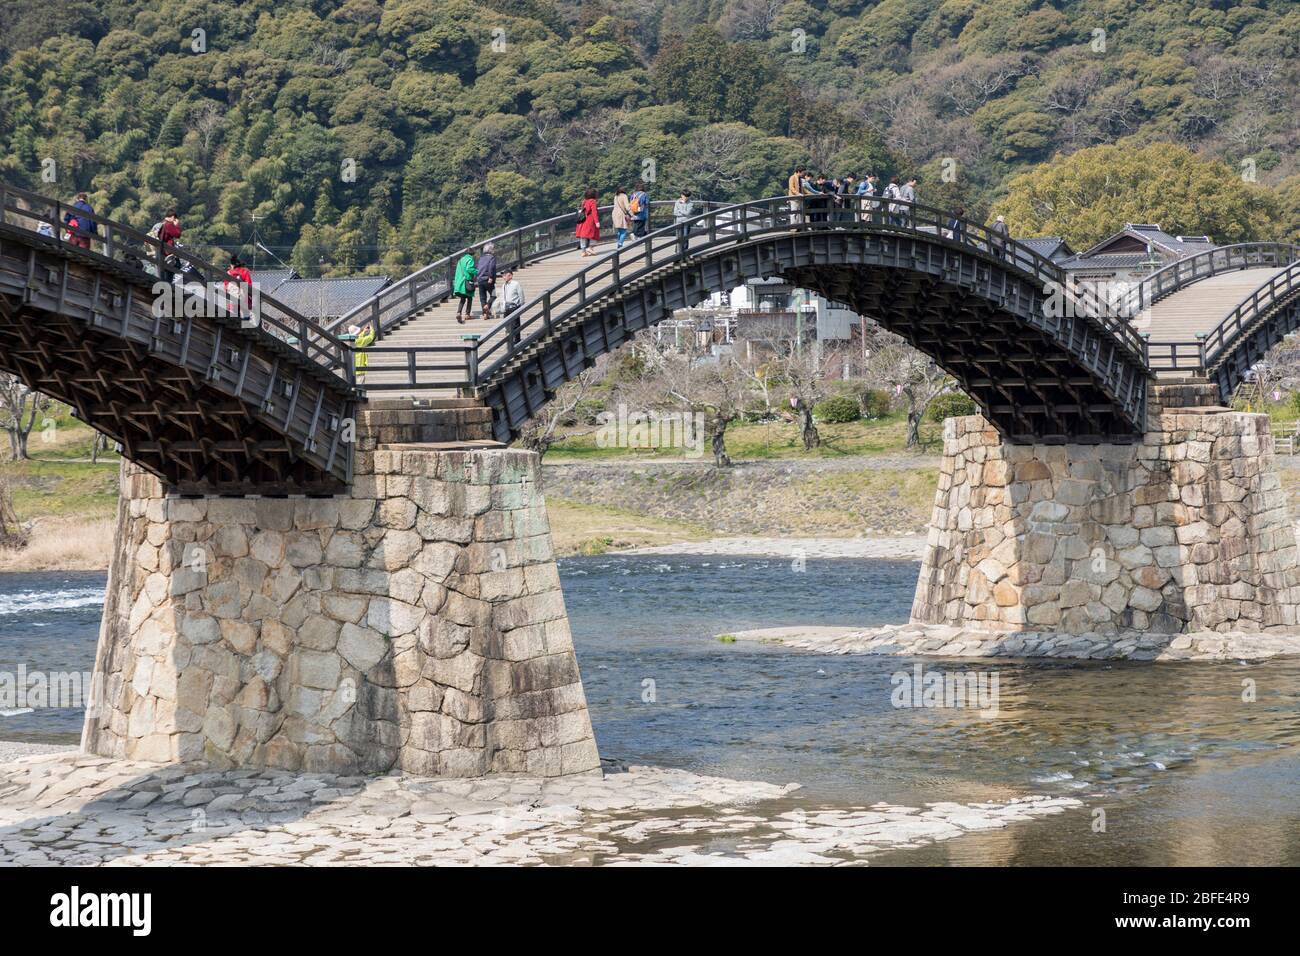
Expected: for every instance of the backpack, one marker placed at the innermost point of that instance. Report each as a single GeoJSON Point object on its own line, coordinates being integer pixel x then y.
{"type": "Point", "coordinates": [582, 214]}
{"type": "Point", "coordinates": [635, 204]}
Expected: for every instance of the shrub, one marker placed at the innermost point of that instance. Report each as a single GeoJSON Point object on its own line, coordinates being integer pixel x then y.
{"type": "Point", "coordinates": [950, 405]}
{"type": "Point", "coordinates": [875, 403]}
{"type": "Point", "coordinates": [837, 408]}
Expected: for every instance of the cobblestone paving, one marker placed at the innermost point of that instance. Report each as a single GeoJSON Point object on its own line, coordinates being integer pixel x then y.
{"type": "Point", "coordinates": [71, 808]}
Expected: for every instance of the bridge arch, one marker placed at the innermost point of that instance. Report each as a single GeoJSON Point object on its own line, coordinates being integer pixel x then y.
{"type": "Point", "coordinates": [1043, 364]}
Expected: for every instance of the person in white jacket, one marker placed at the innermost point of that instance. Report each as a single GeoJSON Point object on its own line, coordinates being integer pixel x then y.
{"type": "Point", "coordinates": [512, 293]}
{"type": "Point", "coordinates": [512, 299]}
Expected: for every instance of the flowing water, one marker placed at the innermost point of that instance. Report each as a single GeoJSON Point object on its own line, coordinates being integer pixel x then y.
{"type": "Point", "coordinates": [1189, 763]}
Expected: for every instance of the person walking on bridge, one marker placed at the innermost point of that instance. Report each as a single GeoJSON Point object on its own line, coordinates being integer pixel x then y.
{"type": "Point", "coordinates": [588, 230]}
{"type": "Point", "coordinates": [957, 225]}
{"type": "Point", "coordinates": [512, 295]}
{"type": "Point", "coordinates": [683, 209]}
{"type": "Point", "coordinates": [486, 269]}
{"type": "Point", "coordinates": [998, 235]}
{"type": "Point", "coordinates": [80, 221]}
{"type": "Point", "coordinates": [907, 193]}
{"type": "Point", "coordinates": [462, 287]}
{"type": "Point", "coordinates": [622, 215]}
{"type": "Point", "coordinates": [243, 283]}
{"type": "Point", "coordinates": [640, 204]}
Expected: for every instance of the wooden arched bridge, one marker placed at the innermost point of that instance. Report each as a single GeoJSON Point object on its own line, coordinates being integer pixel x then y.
{"type": "Point", "coordinates": [213, 393]}
{"type": "Point", "coordinates": [252, 397]}
{"type": "Point", "coordinates": [1046, 358]}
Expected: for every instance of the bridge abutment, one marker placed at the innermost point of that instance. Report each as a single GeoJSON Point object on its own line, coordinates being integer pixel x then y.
{"type": "Point", "coordinates": [416, 623]}
{"type": "Point", "coordinates": [1186, 530]}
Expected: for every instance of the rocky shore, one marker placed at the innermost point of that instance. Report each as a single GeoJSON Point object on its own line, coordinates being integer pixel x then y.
{"type": "Point", "coordinates": [938, 640]}
{"type": "Point", "coordinates": [75, 809]}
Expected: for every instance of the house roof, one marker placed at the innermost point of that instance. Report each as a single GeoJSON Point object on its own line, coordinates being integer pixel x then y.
{"type": "Point", "coordinates": [268, 280]}
{"type": "Point", "coordinates": [1050, 247]}
{"type": "Point", "coordinates": [1144, 234]}
{"type": "Point", "coordinates": [1124, 260]}
{"type": "Point", "coordinates": [328, 298]}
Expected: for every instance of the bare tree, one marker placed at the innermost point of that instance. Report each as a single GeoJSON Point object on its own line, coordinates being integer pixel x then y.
{"type": "Point", "coordinates": [18, 407]}
{"type": "Point", "coordinates": [751, 19]}
{"type": "Point", "coordinates": [712, 158]}
{"type": "Point", "coordinates": [907, 373]}
{"type": "Point", "coordinates": [539, 432]}
{"type": "Point", "coordinates": [553, 136]}
{"type": "Point", "coordinates": [685, 377]}
{"type": "Point", "coordinates": [803, 364]}
{"type": "Point", "coordinates": [207, 120]}
{"type": "Point", "coordinates": [13, 533]}
{"type": "Point", "coordinates": [331, 57]}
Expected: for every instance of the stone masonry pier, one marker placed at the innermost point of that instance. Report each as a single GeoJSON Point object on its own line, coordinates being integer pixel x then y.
{"type": "Point", "coordinates": [1185, 531]}
{"type": "Point", "coordinates": [416, 623]}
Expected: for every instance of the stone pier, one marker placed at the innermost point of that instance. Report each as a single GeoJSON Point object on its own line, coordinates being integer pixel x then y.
{"type": "Point", "coordinates": [415, 623]}
{"type": "Point", "coordinates": [1186, 530]}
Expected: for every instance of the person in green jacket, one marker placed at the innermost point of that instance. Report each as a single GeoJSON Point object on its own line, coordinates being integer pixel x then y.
{"type": "Point", "coordinates": [463, 287]}
{"type": "Point", "coordinates": [362, 336]}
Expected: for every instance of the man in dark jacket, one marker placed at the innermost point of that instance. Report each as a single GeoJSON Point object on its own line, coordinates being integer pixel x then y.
{"type": "Point", "coordinates": [81, 222]}
{"type": "Point", "coordinates": [487, 279]}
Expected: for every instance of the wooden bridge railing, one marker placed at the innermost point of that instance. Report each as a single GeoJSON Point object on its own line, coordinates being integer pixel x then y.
{"type": "Point", "coordinates": [550, 311]}
{"type": "Point", "coordinates": [517, 247]}
{"type": "Point", "coordinates": [1203, 265]}
{"type": "Point", "coordinates": [123, 247]}
{"type": "Point", "coordinates": [1211, 348]}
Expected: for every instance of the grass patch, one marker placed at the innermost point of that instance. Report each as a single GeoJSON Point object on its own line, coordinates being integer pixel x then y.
{"type": "Point", "coordinates": [775, 440]}
{"type": "Point", "coordinates": [63, 488]}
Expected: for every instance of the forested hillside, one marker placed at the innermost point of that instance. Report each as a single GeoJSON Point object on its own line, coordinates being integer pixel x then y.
{"type": "Point", "coordinates": [370, 136]}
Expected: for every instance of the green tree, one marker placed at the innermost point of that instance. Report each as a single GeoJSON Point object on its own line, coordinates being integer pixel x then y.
{"type": "Point", "coordinates": [1090, 194]}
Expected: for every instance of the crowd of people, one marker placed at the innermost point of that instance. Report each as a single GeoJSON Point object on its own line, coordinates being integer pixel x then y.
{"type": "Point", "coordinates": [165, 259]}
{"type": "Point", "coordinates": [848, 198]}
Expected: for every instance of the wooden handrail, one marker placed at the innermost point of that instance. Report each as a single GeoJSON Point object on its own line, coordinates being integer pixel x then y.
{"type": "Point", "coordinates": [124, 246]}
{"type": "Point", "coordinates": [778, 214]}
{"type": "Point", "coordinates": [432, 283]}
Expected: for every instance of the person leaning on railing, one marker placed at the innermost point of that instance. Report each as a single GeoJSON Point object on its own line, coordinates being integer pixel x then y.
{"type": "Point", "coordinates": [794, 188]}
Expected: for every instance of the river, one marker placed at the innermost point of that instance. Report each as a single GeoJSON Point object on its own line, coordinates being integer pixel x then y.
{"type": "Point", "coordinates": [1187, 763]}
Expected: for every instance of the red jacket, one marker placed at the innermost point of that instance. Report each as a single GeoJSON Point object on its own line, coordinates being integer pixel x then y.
{"type": "Point", "coordinates": [589, 228]}
{"type": "Point", "coordinates": [169, 232]}
{"type": "Point", "coordinates": [245, 281]}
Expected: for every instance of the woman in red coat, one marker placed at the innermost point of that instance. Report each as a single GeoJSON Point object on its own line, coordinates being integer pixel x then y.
{"type": "Point", "coordinates": [588, 230]}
